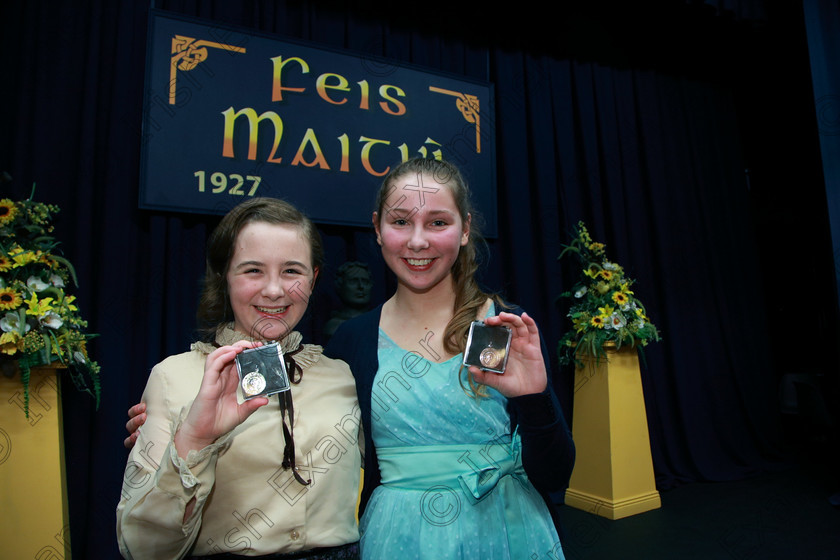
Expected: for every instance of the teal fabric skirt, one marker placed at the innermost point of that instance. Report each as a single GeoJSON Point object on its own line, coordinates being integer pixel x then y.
{"type": "Point", "coordinates": [453, 486]}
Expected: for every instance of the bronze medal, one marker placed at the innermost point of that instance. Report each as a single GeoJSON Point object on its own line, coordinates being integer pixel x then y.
{"type": "Point", "coordinates": [491, 357]}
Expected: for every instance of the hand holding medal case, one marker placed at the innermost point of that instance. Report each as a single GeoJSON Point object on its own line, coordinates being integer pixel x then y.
{"type": "Point", "coordinates": [487, 347]}
{"type": "Point", "coordinates": [262, 371]}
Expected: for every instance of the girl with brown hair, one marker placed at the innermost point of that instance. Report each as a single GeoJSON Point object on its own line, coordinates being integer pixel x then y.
{"type": "Point", "coordinates": [459, 461]}
{"type": "Point", "coordinates": [211, 476]}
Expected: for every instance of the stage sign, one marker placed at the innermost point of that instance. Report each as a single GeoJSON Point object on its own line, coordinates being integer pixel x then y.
{"type": "Point", "coordinates": [232, 114]}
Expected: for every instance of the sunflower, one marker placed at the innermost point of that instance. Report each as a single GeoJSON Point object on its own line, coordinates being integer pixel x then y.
{"type": "Point", "coordinates": [35, 328]}
{"type": "Point", "coordinates": [620, 298]}
{"type": "Point", "coordinates": [8, 211]}
{"type": "Point", "coordinates": [604, 308]}
{"type": "Point", "coordinates": [9, 299]}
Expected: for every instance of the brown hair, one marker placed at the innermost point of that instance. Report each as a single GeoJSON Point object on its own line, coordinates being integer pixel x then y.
{"type": "Point", "coordinates": [469, 298]}
{"type": "Point", "coordinates": [214, 307]}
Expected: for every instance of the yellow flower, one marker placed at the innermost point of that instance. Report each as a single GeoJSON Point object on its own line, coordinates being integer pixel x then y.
{"type": "Point", "coordinates": [6, 263]}
{"type": "Point", "coordinates": [9, 342]}
{"type": "Point", "coordinates": [619, 298]}
{"type": "Point", "coordinates": [605, 311]}
{"type": "Point", "coordinates": [38, 308]}
{"type": "Point", "coordinates": [595, 247]}
{"type": "Point", "coordinates": [581, 323]}
{"type": "Point", "coordinates": [44, 258]}
{"type": "Point", "coordinates": [23, 258]}
{"type": "Point", "coordinates": [8, 211]}
{"type": "Point", "coordinates": [12, 336]}
{"type": "Point", "coordinates": [597, 321]}
{"type": "Point", "coordinates": [68, 303]}
{"type": "Point", "coordinates": [9, 298]}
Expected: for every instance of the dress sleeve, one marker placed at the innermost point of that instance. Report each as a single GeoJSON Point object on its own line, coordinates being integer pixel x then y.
{"type": "Point", "coordinates": [548, 451]}
{"type": "Point", "coordinates": [158, 484]}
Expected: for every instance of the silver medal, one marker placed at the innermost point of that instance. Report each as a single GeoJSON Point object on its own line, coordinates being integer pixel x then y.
{"type": "Point", "coordinates": [253, 383]}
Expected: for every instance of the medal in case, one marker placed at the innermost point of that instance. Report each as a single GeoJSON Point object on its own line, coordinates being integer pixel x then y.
{"type": "Point", "coordinates": [262, 371]}
{"type": "Point", "coordinates": [487, 347]}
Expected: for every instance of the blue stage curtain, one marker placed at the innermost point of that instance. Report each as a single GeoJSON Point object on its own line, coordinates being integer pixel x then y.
{"type": "Point", "coordinates": [822, 22]}
{"type": "Point", "coordinates": [649, 157]}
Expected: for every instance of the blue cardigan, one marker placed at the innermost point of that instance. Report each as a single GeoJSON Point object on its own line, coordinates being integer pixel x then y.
{"type": "Point", "coordinates": [548, 453]}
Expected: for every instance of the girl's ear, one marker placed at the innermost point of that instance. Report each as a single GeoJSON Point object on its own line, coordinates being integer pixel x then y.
{"type": "Point", "coordinates": [376, 228]}
{"type": "Point", "coordinates": [465, 236]}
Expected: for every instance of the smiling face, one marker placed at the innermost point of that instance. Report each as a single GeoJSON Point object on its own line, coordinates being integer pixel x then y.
{"type": "Point", "coordinates": [421, 232]}
{"type": "Point", "coordinates": [269, 279]}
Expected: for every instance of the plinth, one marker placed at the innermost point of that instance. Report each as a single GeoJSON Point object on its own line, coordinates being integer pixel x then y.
{"type": "Point", "coordinates": [33, 489]}
{"type": "Point", "coordinates": [613, 474]}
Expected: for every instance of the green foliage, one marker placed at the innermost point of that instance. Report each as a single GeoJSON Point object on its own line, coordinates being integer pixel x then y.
{"type": "Point", "coordinates": [39, 322]}
{"type": "Point", "coordinates": [604, 309]}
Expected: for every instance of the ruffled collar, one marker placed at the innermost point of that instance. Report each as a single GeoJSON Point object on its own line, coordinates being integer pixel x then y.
{"type": "Point", "coordinates": [226, 335]}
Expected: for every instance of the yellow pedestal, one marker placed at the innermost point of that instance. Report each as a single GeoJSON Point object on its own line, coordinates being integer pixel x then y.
{"type": "Point", "coordinates": [33, 490]}
{"type": "Point", "coordinates": [613, 474]}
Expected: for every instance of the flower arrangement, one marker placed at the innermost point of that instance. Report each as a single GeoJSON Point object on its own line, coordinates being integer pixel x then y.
{"type": "Point", "coordinates": [605, 309]}
{"type": "Point", "coordinates": [39, 322]}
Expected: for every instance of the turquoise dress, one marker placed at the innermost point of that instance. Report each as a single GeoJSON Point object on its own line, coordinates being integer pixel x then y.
{"type": "Point", "coordinates": [452, 479]}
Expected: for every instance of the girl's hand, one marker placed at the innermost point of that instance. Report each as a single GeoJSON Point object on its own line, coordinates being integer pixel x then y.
{"type": "Point", "coordinates": [525, 373]}
{"type": "Point", "coordinates": [136, 418]}
{"type": "Point", "coordinates": [215, 412]}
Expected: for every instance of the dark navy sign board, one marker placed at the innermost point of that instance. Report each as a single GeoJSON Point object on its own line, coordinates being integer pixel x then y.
{"type": "Point", "coordinates": [231, 114]}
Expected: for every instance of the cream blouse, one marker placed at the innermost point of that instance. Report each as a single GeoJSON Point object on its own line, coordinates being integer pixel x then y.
{"type": "Point", "coordinates": [246, 502]}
